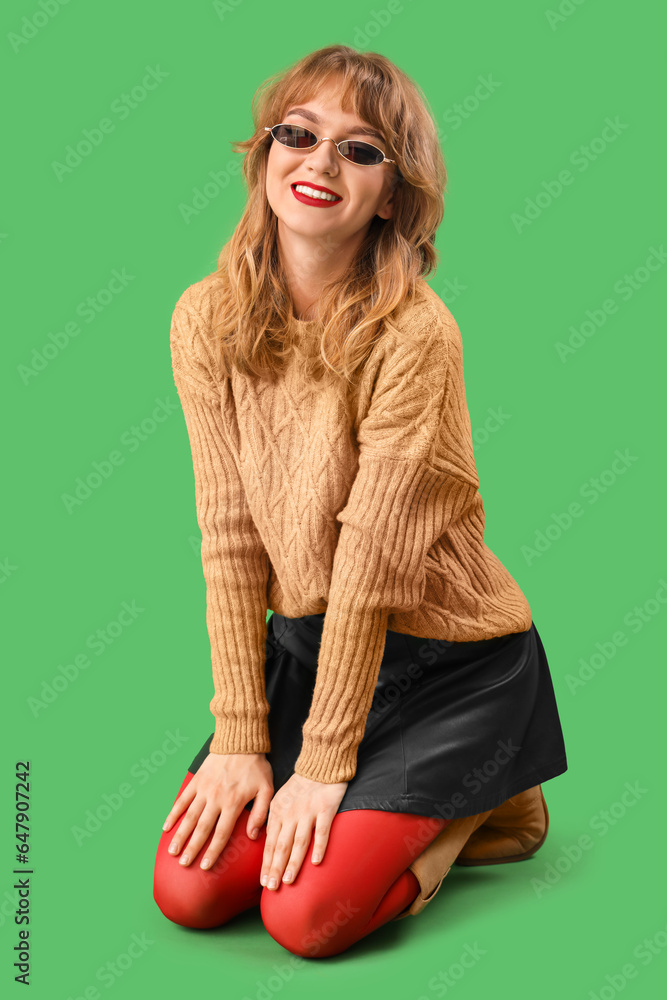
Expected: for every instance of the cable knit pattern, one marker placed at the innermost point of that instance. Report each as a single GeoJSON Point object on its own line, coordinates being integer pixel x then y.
{"type": "Point", "coordinates": [361, 502]}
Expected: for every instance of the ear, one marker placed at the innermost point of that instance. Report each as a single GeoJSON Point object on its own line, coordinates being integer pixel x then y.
{"type": "Point", "coordinates": [386, 207]}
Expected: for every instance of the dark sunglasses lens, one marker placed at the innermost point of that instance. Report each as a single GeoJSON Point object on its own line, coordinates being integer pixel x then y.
{"type": "Point", "coordinates": [293, 136]}
{"type": "Point", "coordinates": [360, 152]}
{"type": "Point", "coordinates": [352, 149]}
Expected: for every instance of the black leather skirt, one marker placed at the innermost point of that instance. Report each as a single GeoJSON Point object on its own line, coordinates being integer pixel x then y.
{"type": "Point", "coordinates": [455, 728]}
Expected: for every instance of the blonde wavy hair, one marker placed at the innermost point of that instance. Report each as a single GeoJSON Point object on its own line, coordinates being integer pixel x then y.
{"type": "Point", "coordinates": [254, 324]}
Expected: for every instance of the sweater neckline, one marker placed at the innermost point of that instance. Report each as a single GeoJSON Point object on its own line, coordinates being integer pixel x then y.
{"type": "Point", "coordinates": [302, 324]}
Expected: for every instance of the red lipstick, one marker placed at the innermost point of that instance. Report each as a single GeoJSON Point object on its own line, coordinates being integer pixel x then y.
{"type": "Point", "coordinates": [317, 202]}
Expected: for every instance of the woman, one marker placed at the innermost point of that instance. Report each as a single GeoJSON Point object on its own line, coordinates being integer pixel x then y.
{"type": "Point", "coordinates": [397, 713]}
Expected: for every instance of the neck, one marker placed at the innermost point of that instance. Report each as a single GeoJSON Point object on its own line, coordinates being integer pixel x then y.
{"type": "Point", "coordinates": [310, 263]}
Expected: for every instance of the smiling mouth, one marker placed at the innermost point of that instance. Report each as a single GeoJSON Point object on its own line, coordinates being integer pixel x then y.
{"type": "Point", "coordinates": [311, 195]}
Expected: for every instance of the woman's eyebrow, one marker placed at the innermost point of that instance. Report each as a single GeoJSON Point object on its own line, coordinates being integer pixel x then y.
{"type": "Point", "coordinates": [353, 130]}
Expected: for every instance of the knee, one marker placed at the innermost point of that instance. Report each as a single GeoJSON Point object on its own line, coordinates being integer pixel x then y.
{"type": "Point", "coordinates": [181, 898]}
{"type": "Point", "coordinates": [305, 925]}
{"type": "Point", "coordinates": [194, 897]}
{"type": "Point", "coordinates": [180, 909]}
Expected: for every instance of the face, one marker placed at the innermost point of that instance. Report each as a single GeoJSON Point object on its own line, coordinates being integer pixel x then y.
{"type": "Point", "coordinates": [364, 191]}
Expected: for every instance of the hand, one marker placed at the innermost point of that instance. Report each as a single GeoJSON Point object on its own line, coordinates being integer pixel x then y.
{"type": "Point", "coordinates": [298, 805]}
{"type": "Point", "coordinates": [216, 795]}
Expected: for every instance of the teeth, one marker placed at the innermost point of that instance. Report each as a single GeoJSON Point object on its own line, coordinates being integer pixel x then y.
{"type": "Point", "coordinates": [312, 193]}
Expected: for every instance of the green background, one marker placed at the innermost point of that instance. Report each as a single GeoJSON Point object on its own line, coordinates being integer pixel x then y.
{"type": "Point", "coordinates": [516, 292]}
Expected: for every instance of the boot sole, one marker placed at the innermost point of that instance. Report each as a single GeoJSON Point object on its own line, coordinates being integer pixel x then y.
{"type": "Point", "coordinates": [474, 862]}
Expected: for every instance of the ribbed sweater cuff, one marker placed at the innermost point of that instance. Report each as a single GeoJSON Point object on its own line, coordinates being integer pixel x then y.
{"type": "Point", "coordinates": [355, 637]}
{"type": "Point", "coordinates": [248, 735]}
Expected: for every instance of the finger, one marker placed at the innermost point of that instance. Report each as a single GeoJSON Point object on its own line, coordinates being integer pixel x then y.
{"type": "Point", "coordinates": [187, 825]}
{"type": "Point", "coordinates": [302, 838]}
{"type": "Point", "coordinates": [200, 835]}
{"type": "Point", "coordinates": [181, 803]}
{"type": "Point", "coordinates": [273, 828]}
{"type": "Point", "coordinates": [321, 838]}
{"type": "Point", "coordinates": [281, 853]}
{"type": "Point", "coordinates": [223, 831]}
{"type": "Point", "coordinates": [258, 813]}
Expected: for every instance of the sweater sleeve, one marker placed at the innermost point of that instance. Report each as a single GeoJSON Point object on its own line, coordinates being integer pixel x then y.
{"type": "Point", "coordinates": [416, 474]}
{"type": "Point", "coordinates": [234, 561]}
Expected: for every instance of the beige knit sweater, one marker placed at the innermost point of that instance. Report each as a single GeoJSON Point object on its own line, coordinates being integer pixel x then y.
{"type": "Point", "coordinates": [313, 497]}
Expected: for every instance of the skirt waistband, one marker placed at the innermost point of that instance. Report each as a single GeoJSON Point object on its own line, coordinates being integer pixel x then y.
{"type": "Point", "coordinates": [302, 636]}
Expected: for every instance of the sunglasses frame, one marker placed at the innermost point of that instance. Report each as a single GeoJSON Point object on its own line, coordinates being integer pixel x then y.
{"type": "Point", "coordinates": [307, 149]}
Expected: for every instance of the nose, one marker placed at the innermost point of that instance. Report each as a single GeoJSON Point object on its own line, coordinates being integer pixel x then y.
{"type": "Point", "coordinates": [324, 155]}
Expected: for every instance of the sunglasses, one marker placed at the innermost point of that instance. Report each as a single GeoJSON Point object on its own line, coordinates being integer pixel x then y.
{"type": "Point", "coordinates": [354, 150]}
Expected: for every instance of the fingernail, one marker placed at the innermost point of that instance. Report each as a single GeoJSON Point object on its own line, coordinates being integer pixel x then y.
{"type": "Point", "coordinates": [316, 859]}
{"type": "Point", "coordinates": [263, 880]}
{"type": "Point", "coordinates": [287, 876]}
{"type": "Point", "coordinates": [173, 848]}
{"type": "Point", "coordinates": [254, 832]}
{"type": "Point", "coordinates": [206, 863]}
{"type": "Point", "coordinates": [184, 860]}
{"type": "Point", "coordinates": [273, 883]}
{"type": "Point", "coordinates": [165, 825]}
